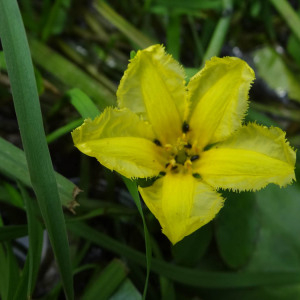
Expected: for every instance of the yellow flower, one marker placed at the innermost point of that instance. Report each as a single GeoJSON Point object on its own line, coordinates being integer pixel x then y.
{"type": "Point", "coordinates": [190, 136]}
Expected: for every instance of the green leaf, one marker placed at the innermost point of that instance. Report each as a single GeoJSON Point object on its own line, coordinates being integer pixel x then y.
{"type": "Point", "coordinates": [11, 196]}
{"type": "Point", "coordinates": [190, 72]}
{"type": "Point", "coordinates": [173, 35]}
{"type": "Point", "coordinates": [9, 273]}
{"type": "Point", "coordinates": [132, 54]}
{"type": "Point", "coordinates": [255, 116]}
{"type": "Point", "coordinates": [2, 61]}
{"type": "Point", "coordinates": [278, 244]}
{"type": "Point", "coordinates": [83, 104]}
{"type": "Point", "coordinates": [39, 81]}
{"type": "Point", "coordinates": [35, 232]}
{"type": "Point", "coordinates": [187, 276]}
{"type": "Point", "coordinates": [66, 129]}
{"type": "Point", "coordinates": [103, 285]}
{"type": "Point", "coordinates": [12, 271]}
{"type": "Point", "coordinates": [38, 76]}
{"type": "Point", "coordinates": [11, 232]}
{"type": "Point", "coordinates": [69, 74]}
{"type": "Point", "coordinates": [126, 291]}
{"type": "Point", "coordinates": [293, 48]}
{"type": "Point", "coordinates": [190, 7]}
{"type": "Point", "coordinates": [126, 28]}
{"type": "Point", "coordinates": [26, 102]}
{"type": "Point", "coordinates": [273, 70]}
{"type": "Point", "coordinates": [289, 15]}
{"type": "Point", "coordinates": [13, 164]}
{"type": "Point", "coordinates": [285, 292]}
{"type": "Point", "coordinates": [190, 250]}
{"type": "Point", "coordinates": [237, 227]}
{"type": "Point", "coordinates": [132, 188]}
{"type": "Point", "coordinates": [56, 19]}
{"type": "Point", "coordinates": [217, 40]}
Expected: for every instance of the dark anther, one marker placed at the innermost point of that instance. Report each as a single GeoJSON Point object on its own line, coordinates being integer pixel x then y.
{"type": "Point", "coordinates": [157, 142]}
{"type": "Point", "coordinates": [196, 175]}
{"type": "Point", "coordinates": [167, 165]}
{"type": "Point", "coordinates": [174, 167]}
{"type": "Point", "coordinates": [185, 127]}
{"type": "Point", "coordinates": [162, 173]}
{"type": "Point", "coordinates": [194, 157]}
{"type": "Point", "coordinates": [188, 146]}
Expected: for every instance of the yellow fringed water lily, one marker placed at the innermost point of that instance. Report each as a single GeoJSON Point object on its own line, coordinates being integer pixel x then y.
{"type": "Point", "coordinates": [190, 137]}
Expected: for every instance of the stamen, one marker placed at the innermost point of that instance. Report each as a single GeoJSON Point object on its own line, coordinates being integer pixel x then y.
{"type": "Point", "coordinates": [162, 173]}
{"type": "Point", "coordinates": [157, 142]}
{"type": "Point", "coordinates": [197, 175]}
{"type": "Point", "coordinates": [188, 146]}
{"type": "Point", "coordinates": [194, 157]}
{"type": "Point", "coordinates": [188, 163]}
{"type": "Point", "coordinates": [185, 127]}
{"type": "Point", "coordinates": [174, 167]}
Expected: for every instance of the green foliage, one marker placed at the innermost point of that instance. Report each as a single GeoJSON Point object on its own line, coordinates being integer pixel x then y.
{"type": "Point", "coordinates": [104, 284]}
{"type": "Point", "coordinates": [35, 233]}
{"type": "Point", "coordinates": [237, 227]}
{"type": "Point", "coordinates": [80, 51]}
{"type": "Point", "coordinates": [276, 73]}
{"type": "Point", "coordinates": [25, 96]}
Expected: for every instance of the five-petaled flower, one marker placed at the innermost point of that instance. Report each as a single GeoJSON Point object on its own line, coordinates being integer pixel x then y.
{"type": "Point", "coordinates": [190, 137]}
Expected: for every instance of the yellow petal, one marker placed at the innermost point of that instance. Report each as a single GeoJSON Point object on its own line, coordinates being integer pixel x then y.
{"type": "Point", "coordinates": [219, 99]}
{"type": "Point", "coordinates": [153, 86]}
{"type": "Point", "coordinates": [122, 142]}
{"type": "Point", "coordinates": [249, 160]}
{"type": "Point", "coordinates": [181, 204]}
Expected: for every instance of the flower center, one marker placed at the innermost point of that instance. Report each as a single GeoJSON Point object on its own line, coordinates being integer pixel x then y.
{"type": "Point", "coordinates": [180, 157]}
{"type": "Point", "coordinates": [181, 160]}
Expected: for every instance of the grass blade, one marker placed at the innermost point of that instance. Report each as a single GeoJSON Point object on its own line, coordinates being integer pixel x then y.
{"type": "Point", "coordinates": [88, 67]}
{"type": "Point", "coordinates": [130, 31]}
{"type": "Point", "coordinates": [9, 275]}
{"type": "Point", "coordinates": [173, 35]}
{"type": "Point", "coordinates": [289, 15]}
{"type": "Point", "coordinates": [56, 18]}
{"type": "Point", "coordinates": [83, 104]}
{"type": "Point", "coordinates": [35, 233]}
{"type": "Point", "coordinates": [69, 74]}
{"type": "Point", "coordinates": [126, 291]}
{"type": "Point", "coordinates": [103, 286]}
{"type": "Point", "coordinates": [12, 232]}
{"type": "Point", "coordinates": [26, 101]}
{"type": "Point", "coordinates": [188, 276]}
{"type": "Point", "coordinates": [132, 188]}
{"type": "Point", "coordinates": [53, 136]}
{"type": "Point", "coordinates": [217, 40]}
{"type": "Point", "coordinates": [13, 164]}
{"type": "Point", "coordinates": [10, 195]}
